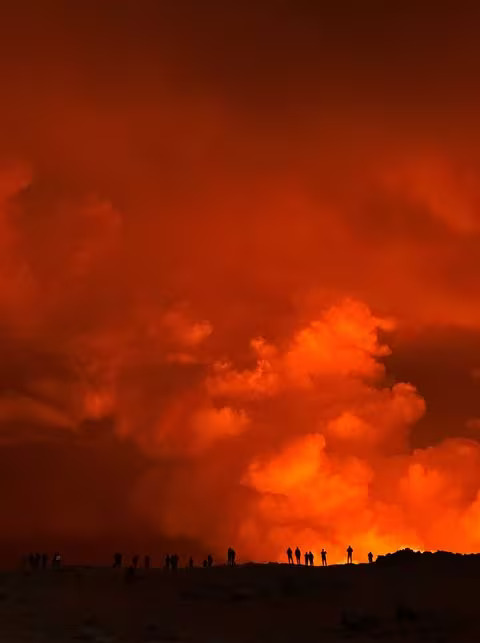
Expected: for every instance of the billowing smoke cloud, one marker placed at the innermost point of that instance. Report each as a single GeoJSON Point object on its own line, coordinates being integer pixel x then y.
{"type": "Point", "coordinates": [239, 277]}
{"type": "Point", "coordinates": [310, 446]}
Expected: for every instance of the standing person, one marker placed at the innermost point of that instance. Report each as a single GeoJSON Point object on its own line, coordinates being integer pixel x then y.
{"type": "Point", "coordinates": [190, 562]}
{"type": "Point", "coordinates": [310, 558]}
{"type": "Point", "coordinates": [174, 562]}
{"type": "Point", "coordinates": [349, 555]}
{"type": "Point", "coordinates": [370, 557]}
{"type": "Point", "coordinates": [167, 561]}
{"type": "Point", "coordinates": [135, 560]}
{"type": "Point", "coordinates": [307, 558]}
{"type": "Point", "coordinates": [146, 562]}
{"type": "Point", "coordinates": [324, 558]}
{"type": "Point", "coordinates": [298, 554]}
{"type": "Point", "coordinates": [290, 556]}
{"type": "Point", "coordinates": [210, 560]}
{"type": "Point", "coordinates": [233, 554]}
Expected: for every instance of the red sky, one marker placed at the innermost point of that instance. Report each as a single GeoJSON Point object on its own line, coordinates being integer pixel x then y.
{"type": "Point", "coordinates": [239, 276]}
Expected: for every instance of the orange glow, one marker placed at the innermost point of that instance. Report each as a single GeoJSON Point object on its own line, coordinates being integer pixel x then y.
{"type": "Point", "coordinates": [239, 278]}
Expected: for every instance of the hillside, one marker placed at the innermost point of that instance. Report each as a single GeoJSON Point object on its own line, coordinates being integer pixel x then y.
{"type": "Point", "coordinates": [402, 597]}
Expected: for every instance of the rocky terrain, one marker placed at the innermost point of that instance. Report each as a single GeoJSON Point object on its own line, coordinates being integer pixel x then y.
{"type": "Point", "coordinates": [402, 597]}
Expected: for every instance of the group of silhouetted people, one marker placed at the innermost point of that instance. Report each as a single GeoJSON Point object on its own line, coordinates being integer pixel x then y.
{"type": "Point", "coordinates": [208, 562]}
{"type": "Point", "coordinates": [36, 561]}
{"type": "Point", "coordinates": [309, 559]}
{"type": "Point", "coordinates": [118, 561]}
{"type": "Point", "coordinates": [171, 561]}
{"type": "Point", "coordinates": [40, 561]}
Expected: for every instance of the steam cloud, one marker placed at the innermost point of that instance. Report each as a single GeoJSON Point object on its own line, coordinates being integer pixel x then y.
{"type": "Point", "coordinates": [238, 290]}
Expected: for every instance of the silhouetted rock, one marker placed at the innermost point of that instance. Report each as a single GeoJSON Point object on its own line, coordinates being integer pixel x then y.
{"type": "Point", "coordinates": [408, 556]}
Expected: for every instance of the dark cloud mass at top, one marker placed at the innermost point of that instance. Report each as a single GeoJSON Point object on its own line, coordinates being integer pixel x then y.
{"type": "Point", "coordinates": [239, 268]}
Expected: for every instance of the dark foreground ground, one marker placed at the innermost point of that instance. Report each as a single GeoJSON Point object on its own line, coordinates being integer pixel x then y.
{"type": "Point", "coordinates": [415, 600]}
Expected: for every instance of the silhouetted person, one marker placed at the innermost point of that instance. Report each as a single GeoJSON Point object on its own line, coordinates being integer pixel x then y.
{"type": "Point", "coordinates": [174, 561]}
{"type": "Point", "coordinates": [324, 558]}
{"type": "Point", "coordinates": [135, 560]}
{"type": "Point", "coordinates": [290, 556]}
{"type": "Point", "coordinates": [146, 562]}
{"type": "Point", "coordinates": [231, 556]}
{"type": "Point", "coordinates": [310, 558]}
{"type": "Point", "coordinates": [306, 557]}
{"type": "Point", "coordinates": [210, 560]}
{"type": "Point", "coordinates": [44, 561]}
{"type": "Point", "coordinates": [117, 560]}
{"type": "Point", "coordinates": [349, 554]}
{"type": "Point", "coordinates": [298, 553]}
{"type": "Point", "coordinates": [167, 561]}
{"type": "Point", "coordinates": [205, 563]}
{"type": "Point", "coordinates": [190, 562]}
{"type": "Point", "coordinates": [370, 557]}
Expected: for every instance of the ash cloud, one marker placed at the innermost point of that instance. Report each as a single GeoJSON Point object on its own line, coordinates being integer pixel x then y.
{"type": "Point", "coordinates": [228, 237]}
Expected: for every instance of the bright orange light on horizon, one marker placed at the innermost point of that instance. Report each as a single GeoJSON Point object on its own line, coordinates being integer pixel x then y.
{"type": "Point", "coordinates": [239, 278]}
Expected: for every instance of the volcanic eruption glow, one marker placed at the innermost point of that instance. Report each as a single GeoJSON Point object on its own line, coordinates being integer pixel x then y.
{"type": "Point", "coordinates": [239, 279]}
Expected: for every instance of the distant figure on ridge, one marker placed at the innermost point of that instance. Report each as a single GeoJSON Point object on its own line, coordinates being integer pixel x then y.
{"type": "Point", "coordinates": [349, 554]}
{"type": "Point", "coordinates": [146, 562]}
{"type": "Point", "coordinates": [210, 560]}
{"type": "Point", "coordinates": [135, 560]}
{"type": "Point", "coordinates": [190, 562]}
{"type": "Point", "coordinates": [306, 556]}
{"type": "Point", "coordinates": [324, 557]}
{"type": "Point", "coordinates": [174, 562]}
{"type": "Point", "coordinates": [310, 558]}
{"type": "Point", "coordinates": [117, 559]}
{"type": "Point", "coordinates": [297, 555]}
{"type": "Point", "coordinates": [231, 557]}
{"type": "Point", "coordinates": [290, 556]}
{"type": "Point", "coordinates": [370, 557]}
{"type": "Point", "coordinates": [205, 563]}
{"type": "Point", "coordinates": [167, 562]}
